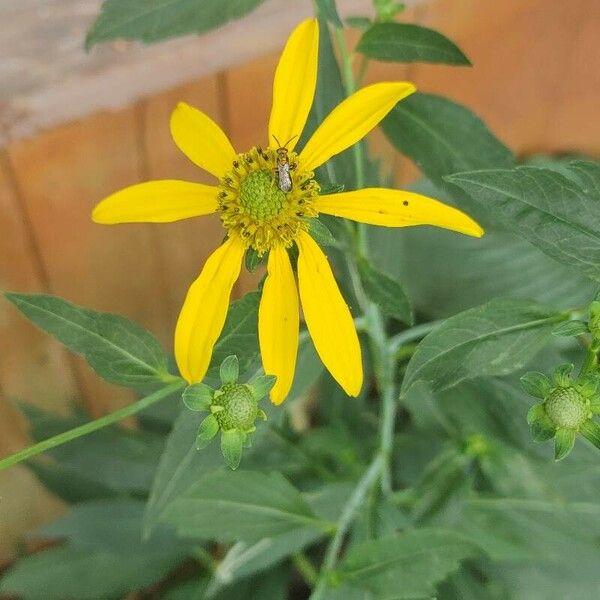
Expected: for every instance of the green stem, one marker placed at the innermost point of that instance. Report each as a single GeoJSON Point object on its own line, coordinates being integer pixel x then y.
{"type": "Point", "coordinates": [348, 512]}
{"type": "Point", "coordinates": [409, 335]}
{"type": "Point", "coordinates": [92, 426]}
{"type": "Point", "coordinates": [590, 364]}
{"type": "Point", "coordinates": [305, 567]}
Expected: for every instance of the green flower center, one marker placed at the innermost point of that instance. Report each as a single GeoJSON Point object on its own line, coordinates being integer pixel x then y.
{"type": "Point", "coordinates": [566, 407]}
{"type": "Point", "coordinates": [261, 197]}
{"type": "Point", "coordinates": [253, 206]}
{"type": "Point", "coordinates": [240, 408]}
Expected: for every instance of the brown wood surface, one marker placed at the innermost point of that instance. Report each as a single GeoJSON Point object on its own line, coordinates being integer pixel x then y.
{"type": "Point", "coordinates": [535, 80]}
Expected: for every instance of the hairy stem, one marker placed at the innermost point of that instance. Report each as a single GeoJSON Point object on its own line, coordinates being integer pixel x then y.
{"type": "Point", "coordinates": [92, 426]}
{"type": "Point", "coordinates": [347, 516]}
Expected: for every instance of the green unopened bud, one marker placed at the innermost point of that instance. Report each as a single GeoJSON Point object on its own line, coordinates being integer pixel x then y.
{"type": "Point", "coordinates": [567, 408]}
{"type": "Point", "coordinates": [236, 407]}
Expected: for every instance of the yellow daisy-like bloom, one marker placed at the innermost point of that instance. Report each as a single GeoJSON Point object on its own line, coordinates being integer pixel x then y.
{"type": "Point", "coordinates": [260, 212]}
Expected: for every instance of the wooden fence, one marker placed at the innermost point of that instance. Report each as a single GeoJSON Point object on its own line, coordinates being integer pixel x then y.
{"type": "Point", "coordinates": [536, 81]}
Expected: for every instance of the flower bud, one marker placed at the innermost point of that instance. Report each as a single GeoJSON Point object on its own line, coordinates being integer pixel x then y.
{"type": "Point", "coordinates": [566, 407]}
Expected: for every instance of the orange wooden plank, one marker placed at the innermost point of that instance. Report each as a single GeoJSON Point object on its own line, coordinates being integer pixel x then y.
{"type": "Point", "coordinates": [62, 174]}
{"type": "Point", "coordinates": [535, 66]}
{"type": "Point", "coordinates": [33, 367]}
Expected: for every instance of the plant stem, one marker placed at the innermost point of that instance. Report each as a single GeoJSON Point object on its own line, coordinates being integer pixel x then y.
{"type": "Point", "coordinates": [409, 335]}
{"type": "Point", "coordinates": [92, 426]}
{"type": "Point", "coordinates": [348, 512]}
{"type": "Point", "coordinates": [305, 567]}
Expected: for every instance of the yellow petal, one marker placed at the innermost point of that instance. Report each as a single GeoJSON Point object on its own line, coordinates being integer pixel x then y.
{"type": "Point", "coordinates": [278, 323]}
{"type": "Point", "coordinates": [351, 120]}
{"type": "Point", "coordinates": [205, 308]}
{"type": "Point", "coordinates": [157, 202]}
{"type": "Point", "coordinates": [294, 85]}
{"type": "Point", "coordinates": [201, 140]}
{"type": "Point", "coordinates": [327, 317]}
{"type": "Point", "coordinates": [396, 208]}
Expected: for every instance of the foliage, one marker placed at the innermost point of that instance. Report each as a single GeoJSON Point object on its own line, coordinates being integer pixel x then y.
{"type": "Point", "coordinates": [430, 483]}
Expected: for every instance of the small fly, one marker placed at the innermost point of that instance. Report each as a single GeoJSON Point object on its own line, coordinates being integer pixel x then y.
{"type": "Point", "coordinates": [283, 166]}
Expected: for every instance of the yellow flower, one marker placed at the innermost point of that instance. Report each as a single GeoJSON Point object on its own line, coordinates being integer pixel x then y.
{"type": "Point", "coordinates": [259, 211]}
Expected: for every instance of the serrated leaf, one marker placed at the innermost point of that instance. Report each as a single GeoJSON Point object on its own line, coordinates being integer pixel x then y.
{"type": "Point", "coordinates": [442, 137]}
{"type": "Point", "coordinates": [155, 20]}
{"type": "Point", "coordinates": [494, 339]}
{"type": "Point", "coordinates": [242, 505]}
{"type": "Point", "coordinates": [117, 349]}
{"type": "Point", "coordinates": [555, 213]}
{"type": "Point", "coordinates": [444, 273]}
{"type": "Point", "coordinates": [407, 565]}
{"type": "Point", "coordinates": [386, 292]}
{"type": "Point", "coordinates": [405, 42]}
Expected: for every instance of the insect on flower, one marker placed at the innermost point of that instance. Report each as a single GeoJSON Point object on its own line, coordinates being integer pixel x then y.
{"type": "Point", "coordinates": [265, 198]}
{"type": "Point", "coordinates": [283, 165]}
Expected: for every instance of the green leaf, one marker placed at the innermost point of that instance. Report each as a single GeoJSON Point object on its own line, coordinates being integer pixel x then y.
{"type": "Point", "coordinates": [244, 559]}
{"type": "Point", "coordinates": [444, 273]}
{"type": "Point", "coordinates": [260, 386]}
{"type": "Point", "coordinates": [207, 431]}
{"type": "Point", "coordinates": [243, 505]}
{"type": "Point", "coordinates": [407, 565]}
{"type": "Point", "coordinates": [320, 232]}
{"type": "Point", "coordinates": [571, 329]}
{"type": "Point", "coordinates": [67, 572]}
{"type": "Point", "coordinates": [564, 440]}
{"type": "Point", "coordinates": [85, 527]}
{"type": "Point", "coordinates": [497, 338]}
{"type": "Point", "coordinates": [197, 396]}
{"type": "Point", "coordinates": [112, 461]}
{"type": "Point", "coordinates": [542, 426]}
{"type": "Point", "coordinates": [161, 19]}
{"type": "Point", "coordinates": [328, 9]}
{"type": "Point", "coordinates": [117, 349]}
{"type": "Point", "coordinates": [556, 213]}
{"type": "Point", "coordinates": [536, 384]}
{"type": "Point", "coordinates": [517, 529]}
{"type": "Point", "coordinates": [442, 137]}
{"type": "Point", "coordinates": [404, 42]}
{"type": "Point", "coordinates": [386, 292]}
{"type": "Point", "coordinates": [239, 337]}
{"type": "Point", "coordinates": [229, 371]}
{"type": "Point", "coordinates": [332, 188]}
{"type": "Point", "coordinates": [252, 260]}
{"type": "Point", "coordinates": [232, 443]}
{"type": "Point", "coordinates": [590, 430]}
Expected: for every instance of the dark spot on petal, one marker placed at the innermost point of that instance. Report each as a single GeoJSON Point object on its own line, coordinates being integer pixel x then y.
{"type": "Point", "coordinates": [405, 203]}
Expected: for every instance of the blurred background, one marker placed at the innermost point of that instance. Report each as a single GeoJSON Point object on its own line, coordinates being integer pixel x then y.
{"type": "Point", "coordinates": [75, 126]}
